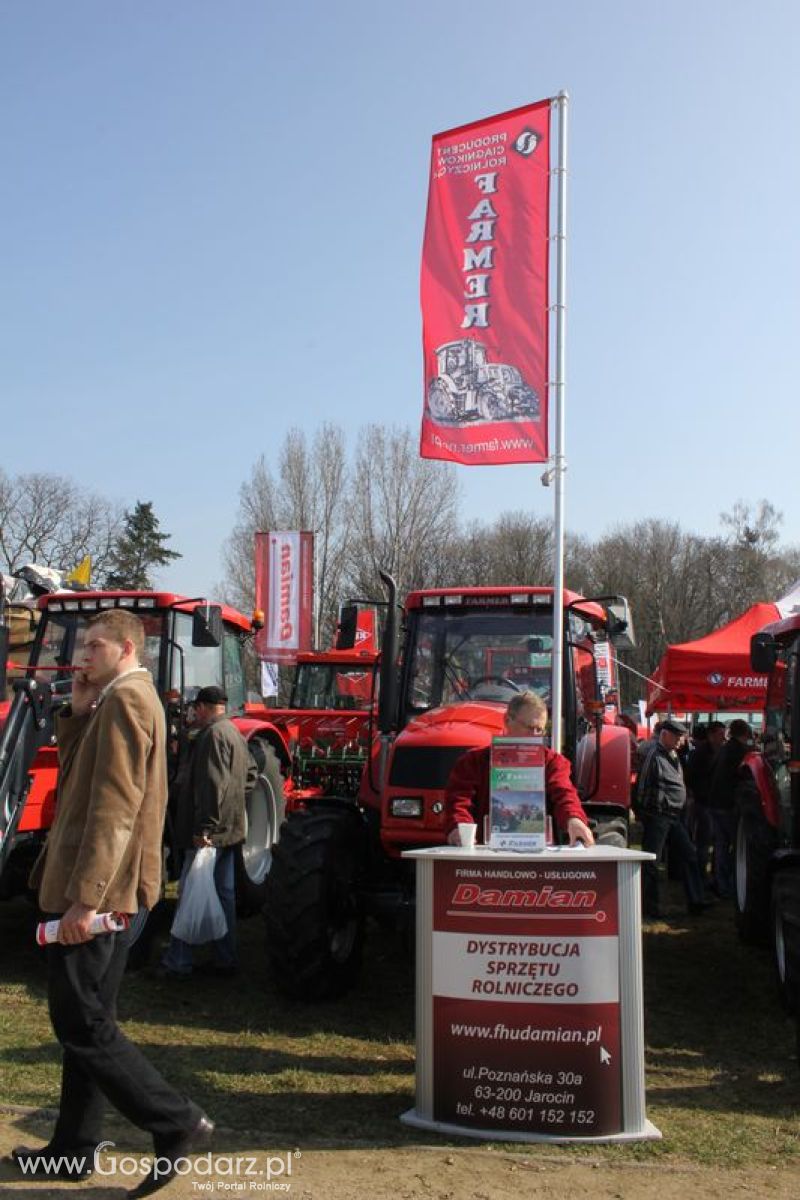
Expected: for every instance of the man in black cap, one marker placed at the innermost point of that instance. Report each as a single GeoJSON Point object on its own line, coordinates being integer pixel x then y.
{"type": "Point", "coordinates": [660, 801]}
{"type": "Point", "coordinates": [211, 812]}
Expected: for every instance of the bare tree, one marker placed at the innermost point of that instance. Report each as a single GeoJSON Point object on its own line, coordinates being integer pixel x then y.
{"type": "Point", "coordinates": [51, 520]}
{"type": "Point", "coordinates": [402, 512]}
{"type": "Point", "coordinates": [754, 568]}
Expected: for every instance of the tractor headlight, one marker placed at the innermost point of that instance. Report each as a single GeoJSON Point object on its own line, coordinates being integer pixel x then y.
{"type": "Point", "coordinates": [406, 806]}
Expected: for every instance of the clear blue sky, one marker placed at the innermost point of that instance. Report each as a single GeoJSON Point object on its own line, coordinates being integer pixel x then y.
{"type": "Point", "coordinates": [211, 217]}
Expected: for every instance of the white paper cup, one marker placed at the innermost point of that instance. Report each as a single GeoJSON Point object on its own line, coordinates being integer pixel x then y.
{"type": "Point", "coordinates": [466, 834]}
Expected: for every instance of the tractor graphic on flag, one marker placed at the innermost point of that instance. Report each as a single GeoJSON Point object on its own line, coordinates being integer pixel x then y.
{"type": "Point", "coordinates": [469, 388]}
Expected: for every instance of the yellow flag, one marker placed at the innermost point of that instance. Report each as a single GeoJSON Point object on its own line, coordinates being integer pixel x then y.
{"type": "Point", "coordinates": [82, 574]}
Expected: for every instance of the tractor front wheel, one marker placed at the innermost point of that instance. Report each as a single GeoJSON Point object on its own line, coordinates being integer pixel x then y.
{"type": "Point", "coordinates": [491, 405]}
{"type": "Point", "coordinates": [265, 809]}
{"type": "Point", "coordinates": [314, 914]}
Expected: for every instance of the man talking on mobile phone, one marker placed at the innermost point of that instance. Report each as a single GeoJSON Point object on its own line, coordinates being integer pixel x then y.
{"type": "Point", "coordinates": [103, 854]}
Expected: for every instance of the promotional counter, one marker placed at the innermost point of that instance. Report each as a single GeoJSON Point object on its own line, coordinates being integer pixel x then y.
{"type": "Point", "coordinates": [529, 995]}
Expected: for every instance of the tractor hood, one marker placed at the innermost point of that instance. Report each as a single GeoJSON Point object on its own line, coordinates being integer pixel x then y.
{"type": "Point", "coordinates": [467, 725]}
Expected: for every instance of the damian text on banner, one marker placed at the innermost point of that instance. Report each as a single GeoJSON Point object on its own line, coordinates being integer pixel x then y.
{"type": "Point", "coordinates": [285, 592]}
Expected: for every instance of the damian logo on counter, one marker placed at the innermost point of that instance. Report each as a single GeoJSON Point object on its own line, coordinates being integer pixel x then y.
{"type": "Point", "coordinates": [546, 897]}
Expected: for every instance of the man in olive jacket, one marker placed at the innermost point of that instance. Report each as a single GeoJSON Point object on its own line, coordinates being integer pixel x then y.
{"type": "Point", "coordinates": [211, 812]}
{"type": "Point", "coordinates": [103, 854]}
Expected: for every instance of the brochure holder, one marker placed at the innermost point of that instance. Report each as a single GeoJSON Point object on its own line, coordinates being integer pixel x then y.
{"type": "Point", "coordinates": [529, 995]}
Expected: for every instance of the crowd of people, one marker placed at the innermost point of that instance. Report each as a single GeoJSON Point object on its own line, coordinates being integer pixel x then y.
{"type": "Point", "coordinates": [685, 799]}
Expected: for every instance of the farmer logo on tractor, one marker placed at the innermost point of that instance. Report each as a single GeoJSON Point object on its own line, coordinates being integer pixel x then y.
{"type": "Point", "coordinates": [526, 142]}
{"type": "Point", "coordinates": [737, 681]}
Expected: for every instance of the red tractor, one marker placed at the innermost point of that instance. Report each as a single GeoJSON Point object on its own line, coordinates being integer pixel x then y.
{"type": "Point", "coordinates": [465, 652]}
{"type": "Point", "coordinates": [321, 740]}
{"type": "Point", "coordinates": [768, 809]}
{"type": "Point", "coordinates": [189, 643]}
{"type": "Point", "coordinates": [315, 746]}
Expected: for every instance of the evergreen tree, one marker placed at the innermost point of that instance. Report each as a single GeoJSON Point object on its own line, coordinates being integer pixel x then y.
{"type": "Point", "coordinates": [139, 549]}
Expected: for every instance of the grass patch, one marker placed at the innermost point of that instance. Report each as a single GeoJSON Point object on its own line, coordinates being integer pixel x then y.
{"type": "Point", "coordinates": [722, 1078]}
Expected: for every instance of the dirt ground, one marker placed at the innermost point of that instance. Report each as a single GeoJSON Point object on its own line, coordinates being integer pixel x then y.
{"type": "Point", "coordinates": [463, 1172]}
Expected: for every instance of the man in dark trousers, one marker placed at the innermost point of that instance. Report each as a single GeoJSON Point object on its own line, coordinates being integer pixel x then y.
{"type": "Point", "coordinates": [698, 772]}
{"type": "Point", "coordinates": [722, 805]}
{"type": "Point", "coordinates": [103, 854]}
{"type": "Point", "coordinates": [660, 803]}
{"type": "Point", "coordinates": [211, 812]}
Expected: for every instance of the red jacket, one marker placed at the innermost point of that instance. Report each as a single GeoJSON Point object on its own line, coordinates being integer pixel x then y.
{"type": "Point", "coordinates": [466, 796]}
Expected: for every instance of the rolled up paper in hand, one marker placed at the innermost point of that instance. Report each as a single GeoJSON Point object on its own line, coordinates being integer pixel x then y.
{"type": "Point", "coordinates": [47, 931]}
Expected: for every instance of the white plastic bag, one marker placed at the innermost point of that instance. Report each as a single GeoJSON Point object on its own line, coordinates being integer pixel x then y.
{"type": "Point", "coordinates": [200, 916]}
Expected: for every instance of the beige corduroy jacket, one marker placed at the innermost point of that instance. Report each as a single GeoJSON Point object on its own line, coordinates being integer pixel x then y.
{"type": "Point", "coordinates": [104, 847]}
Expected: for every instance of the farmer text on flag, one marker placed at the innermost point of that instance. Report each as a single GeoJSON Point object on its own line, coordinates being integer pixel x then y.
{"type": "Point", "coordinates": [484, 291]}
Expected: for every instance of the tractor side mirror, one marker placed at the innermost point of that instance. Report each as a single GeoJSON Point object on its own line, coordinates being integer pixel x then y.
{"type": "Point", "coordinates": [620, 624]}
{"type": "Point", "coordinates": [348, 623]}
{"type": "Point", "coordinates": [207, 625]}
{"type": "Point", "coordinates": [763, 652]}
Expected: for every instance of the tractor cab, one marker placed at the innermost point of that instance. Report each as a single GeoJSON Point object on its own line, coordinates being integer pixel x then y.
{"type": "Point", "coordinates": [466, 653]}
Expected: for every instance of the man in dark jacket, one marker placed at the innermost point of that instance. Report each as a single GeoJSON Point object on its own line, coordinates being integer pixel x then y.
{"type": "Point", "coordinates": [721, 803]}
{"type": "Point", "coordinates": [660, 801]}
{"type": "Point", "coordinates": [698, 772]}
{"type": "Point", "coordinates": [211, 812]}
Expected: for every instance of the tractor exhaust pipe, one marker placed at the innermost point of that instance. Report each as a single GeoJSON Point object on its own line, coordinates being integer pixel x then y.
{"type": "Point", "coordinates": [387, 702]}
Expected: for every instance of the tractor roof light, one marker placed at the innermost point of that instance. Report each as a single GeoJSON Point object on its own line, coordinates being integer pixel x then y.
{"type": "Point", "coordinates": [520, 598]}
{"type": "Point", "coordinates": [454, 599]}
{"type": "Point", "coordinates": [431, 601]}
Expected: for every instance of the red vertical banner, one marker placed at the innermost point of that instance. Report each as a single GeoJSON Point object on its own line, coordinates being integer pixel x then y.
{"type": "Point", "coordinates": [484, 291]}
{"type": "Point", "coordinates": [285, 592]}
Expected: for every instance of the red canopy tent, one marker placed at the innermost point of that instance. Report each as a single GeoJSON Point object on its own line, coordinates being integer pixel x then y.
{"type": "Point", "coordinates": [713, 674]}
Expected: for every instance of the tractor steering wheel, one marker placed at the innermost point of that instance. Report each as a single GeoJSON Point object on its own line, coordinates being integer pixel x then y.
{"type": "Point", "coordinates": [501, 679]}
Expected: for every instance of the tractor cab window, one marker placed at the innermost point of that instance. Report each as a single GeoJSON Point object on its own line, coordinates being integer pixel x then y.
{"type": "Point", "coordinates": [586, 689]}
{"type": "Point", "coordinates": [192, 667]}
{"type": "Point", "coordinates": [233, 661]}
{"type": "Point", "coordinates": [331, 686]}
{"type": "Point", "coordinates": [60, 644]}
{"type": "Point", "coordinates": [781, 691]}
{"type": "Point", "coordinates": [456, 656]}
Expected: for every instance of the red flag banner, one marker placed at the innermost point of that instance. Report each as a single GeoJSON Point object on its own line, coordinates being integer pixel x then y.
{"type": "Point", "coordinates": [484, 291]}
{"type": "Point", "coordinates": [284, 590]}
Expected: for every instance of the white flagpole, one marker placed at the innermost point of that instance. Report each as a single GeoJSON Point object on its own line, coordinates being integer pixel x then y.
{"type": "Point", "coordinates": [559, 389]}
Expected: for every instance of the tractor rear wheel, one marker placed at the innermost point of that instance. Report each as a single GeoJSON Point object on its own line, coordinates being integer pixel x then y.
{"type": "Point", "coordinates": [785, 925]}
{"type": "Point", "coordinates": [755, 842]}
{"type": "Point", "coordinates": [314, 914]}
{"type": "Point", "coordinates": [264, 813]}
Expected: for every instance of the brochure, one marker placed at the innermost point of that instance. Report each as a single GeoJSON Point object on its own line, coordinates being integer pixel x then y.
{"type": "Point", "coordinates": [517, 794]}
